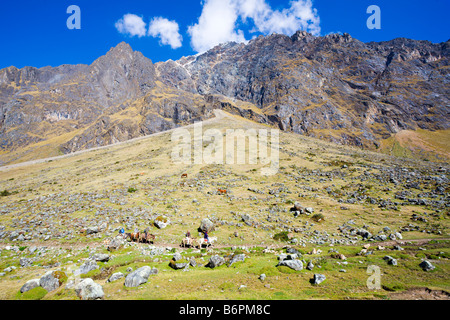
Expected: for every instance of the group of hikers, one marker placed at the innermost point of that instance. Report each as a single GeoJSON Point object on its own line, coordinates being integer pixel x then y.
{"type": "Point", "coordinates": [188, 240]}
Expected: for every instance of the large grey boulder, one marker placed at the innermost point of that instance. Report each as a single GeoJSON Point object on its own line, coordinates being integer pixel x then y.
{"type": "Point", "coordinates": [115, 276]}
{"type": "Point", "coordinates": [31, 284]}
{"type": "Point", "coordinates": [25, 262]}
{"type": "Point", "coordinates": [364, 234]}
{"type": "Point", "coordinates": [177, 256]}
{"type": "Point", "coordinates": [102, 257]}
{"type": "Point", "coordinates": [296, 265]}
{"type": "Point", "coordinates": [52, 280]}
{"type": "Point", "coordinates": [237, 258]}
{"type": "Point", "coordinates": [206, 225]}
{"type": "Point", "coordinates": [215, 261]}
{"type": "Point", "coordinates": [318, 278]}
{"type": "Point", "coordinates": [139, 276]}
{"type": "Point", "coordinates": [89, 290]}
{"type": "Point", "coordinates": [86, 267]}
{"type": "Point", "coordinates": [390, 260]}
{"type": "Point", "coordinates": [92, 230]}
{"type": "Point", "coordinates": [161, 222]}
{"type": "Point", "coordinates": [116, 243]}
{"type": "Point", "coordinates": [426, 265]}
{"type": "Point", "coordinates": [178, 265]}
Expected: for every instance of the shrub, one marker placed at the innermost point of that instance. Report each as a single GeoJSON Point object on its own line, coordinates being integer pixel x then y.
{"type": "Point", "coordinates": [282, 236]}
{"type": "Point", "coordinates": [5, 193]}
{"type": "Point", "coordinates": [318, 217]}
{"type": "Point", "coordinates": [131, 190]}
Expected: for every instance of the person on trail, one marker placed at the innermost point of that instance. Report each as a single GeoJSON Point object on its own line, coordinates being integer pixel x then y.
{"type": "Point", "coordinates": [122, 231]}
{"type": "Point", "coordinates": [206, 236]}
{"type": "Point", "coordinates": [188, 238]}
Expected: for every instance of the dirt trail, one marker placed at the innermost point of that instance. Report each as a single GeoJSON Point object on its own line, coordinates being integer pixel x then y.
{"type": "Point", "coordinates": [219, 115]}
{"type": "Point", "coordinates": [53, 244]}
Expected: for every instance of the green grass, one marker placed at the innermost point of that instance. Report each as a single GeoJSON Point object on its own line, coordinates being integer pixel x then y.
{"type": "Point", "coordinates": [34, 294]}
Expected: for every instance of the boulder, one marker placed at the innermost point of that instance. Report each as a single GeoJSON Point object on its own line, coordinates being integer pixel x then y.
{"type": "Point", "coordinates": [206, 225]}
{"type": "Point", "coordinates": [297, 207]}
{"type": "Point", "coordinates": [89, 290]}
{"type": "Point", "coordinates": [161, 222]}
{"type": "Point", "coordinates": [364, 233]}
{"type": "Point", "coordinates": [25, 262]}
{"type": "Point", "coordinates": [236, 258]}
{"type": "Point", "coordinates": [116, 243]}
{"type": "Point", "coordinates": [52, 280]}
{"type": "Point", "coordinates": [139, 276]}
{"type": "Point", "coordinates": [318, 278]}
{"type": "Point", "coordinates": [390, 260]}
{"type": "Point", "coordinates": [31, 284]}
{"type": "Point", "coordinates": [176, 256]}
{"type": "Point", "coordinates": [178, 265]}
{"type": "Point", "coordinates": [86, 267]}
{"type": "Point", "coordinates": [215, 261]}
{"type": "Point", "coordinates": [296, 265]}
{"type": "Point", "coordinates": [426, 265]}
{"type": "Point", "coordinates": [293, 251]}
{"type": "Point", "coordinates": [115, 276]}
{"type": "Point", "coordinates": [102, 257]}
{"type": "Point", "coordinates": [92, 230]}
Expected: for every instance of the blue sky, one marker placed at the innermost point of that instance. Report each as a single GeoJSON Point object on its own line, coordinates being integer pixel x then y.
{"type": "Point", "coordinates": [34, 33]}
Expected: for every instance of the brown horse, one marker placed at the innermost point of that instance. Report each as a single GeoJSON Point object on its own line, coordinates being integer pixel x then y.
{"type": "Point", "coordinates": [222, 191]}
{"type": "Point", "coordinates": [147, 237]}
{"type": "Point", "coordinates": [132, 236]}
{"type": "Point", "coordinates": [184, 175]}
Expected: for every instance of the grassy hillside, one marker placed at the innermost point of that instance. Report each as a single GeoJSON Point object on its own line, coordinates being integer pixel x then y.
{"type": "Point", "coordinates": [51, 205]}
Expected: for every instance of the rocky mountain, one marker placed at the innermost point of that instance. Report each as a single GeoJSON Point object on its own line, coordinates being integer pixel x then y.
{"type": "Point", "coordinates": [333, 87]}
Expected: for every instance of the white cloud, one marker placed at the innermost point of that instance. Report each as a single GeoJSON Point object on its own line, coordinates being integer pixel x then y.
{"type": "Point", "coordinates": [219, 20]}
{"type": "Point", "coordinates": [132, 25]}
{"type": "Point", "coordinates": [166, 30]}
{"type": "Point", "coordinates": [216, 24]}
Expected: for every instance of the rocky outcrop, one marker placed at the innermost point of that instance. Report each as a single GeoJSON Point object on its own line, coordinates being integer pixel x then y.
{"type": "Point", "coordinates": [333, 87]}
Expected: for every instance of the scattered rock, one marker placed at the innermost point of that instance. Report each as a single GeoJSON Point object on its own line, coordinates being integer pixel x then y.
{"type": "Point", "coordinates": [115, 276]}
{"type": "Point", "coordinates": [139, 276]}
{"type": "Point", "coordinates": [89, 290]}
{"type": "Point", "coordinates": [52, 280]}
{"type": "Point", "coordinates": [215, 261]}
{"type": "Point", "coordinates": [89, 265]}
{"type": "Point", "coordinates": [236, 258]}
{"type": "Point", "coordinates": [296, 265]}
{"type": "Point", "coordinates": [426, 265]}
{"type": "Point", "coordinates": [206, 225]}
{"type": "Point", "coordinates": [318, 278]}
{"type": "Point", "coordinates": [91, 230]}
{"type": "Point", "coordinates": [102, 257]}
{"type": "Point", "coordinates": [390, 260]}
{"type": "Point", "coordinates": [31, 284]}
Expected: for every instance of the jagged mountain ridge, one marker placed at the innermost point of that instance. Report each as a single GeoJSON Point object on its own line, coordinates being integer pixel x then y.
{"type": "Point", "coordinates": [333, 87]}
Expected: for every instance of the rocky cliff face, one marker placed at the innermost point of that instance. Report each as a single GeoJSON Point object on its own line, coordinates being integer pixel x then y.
{"type": "Point", "coordinates": [333, 87]}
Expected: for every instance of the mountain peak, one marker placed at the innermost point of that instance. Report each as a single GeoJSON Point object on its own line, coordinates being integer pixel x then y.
{"type": "Point", "coordinates": [122, 47]}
